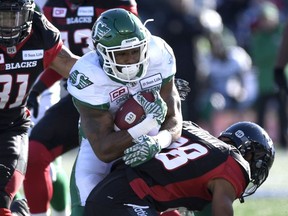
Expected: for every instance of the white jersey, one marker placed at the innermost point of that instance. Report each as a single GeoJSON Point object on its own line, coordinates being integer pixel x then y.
{"type": "Point", "coordinates": [89, 84]}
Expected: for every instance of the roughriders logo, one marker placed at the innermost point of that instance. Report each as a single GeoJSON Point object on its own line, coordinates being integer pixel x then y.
{"type": "Point", "coordinates": [17, 65]}
{"type": "Point", "coordinates": [101, 30]}
{"type": "Point", "coordinates": [79, 80]}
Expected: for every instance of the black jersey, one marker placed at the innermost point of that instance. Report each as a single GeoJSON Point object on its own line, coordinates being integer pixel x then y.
{"type": "Point", "coordinates": [75, 22]}
{"type": "Point", "coordinates": [21, 65]}
{"type": "Point", "coordinates": [178, 175]}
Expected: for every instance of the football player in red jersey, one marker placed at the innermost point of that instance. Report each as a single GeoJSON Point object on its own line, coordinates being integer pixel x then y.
{"type": "Point", "coordinates": [192, 172]}
{"type": "Point", "coordinates": [57, 132]}
{"type": "Point", "coordinates": [29, 43]}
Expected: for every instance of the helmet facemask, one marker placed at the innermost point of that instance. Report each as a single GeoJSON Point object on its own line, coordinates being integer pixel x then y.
{"type": "Point", "coordinates": [259, 159]}
{"type": "Point", "coordinates": [15, 21]}
{"type": "Point", "coordinates": [125, 72]}
{"type": "Point", "coordinates": [257, 149]}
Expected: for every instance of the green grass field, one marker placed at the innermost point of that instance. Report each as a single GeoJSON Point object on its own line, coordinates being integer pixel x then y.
{"type": "Point", "coordinates": [271, 199]}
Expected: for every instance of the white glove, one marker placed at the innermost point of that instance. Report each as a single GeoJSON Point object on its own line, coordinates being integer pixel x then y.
{"type": "Point", "coordinates": [145, 148]}
{"type": "Point", "coordinates": [156, 109]}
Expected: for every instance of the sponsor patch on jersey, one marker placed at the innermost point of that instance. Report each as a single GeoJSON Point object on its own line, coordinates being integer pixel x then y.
{"type": "Point", "coordinates": [59, 12]}
{"type": "Point", "coordinates": [151, 81]}
{"type": "Point", "coordinates": [32, 54]}
{"type": "Point", "coordinates": [85, 11]}
{"type": "Point", "coordinates": [2, 60]}
{"type": "Point", "coordinates": [117, 93]}
{"type": "Point", "coordinates": [79, 80]}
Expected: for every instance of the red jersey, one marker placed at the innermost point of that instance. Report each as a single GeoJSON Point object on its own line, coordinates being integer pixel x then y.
{"type": "Point", "coordinates": [75, 21]}
{"type": "Point", "coordinates": [178, 175]}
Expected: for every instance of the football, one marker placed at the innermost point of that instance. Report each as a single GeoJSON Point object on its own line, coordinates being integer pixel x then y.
{"type": "Point", "coordinates": [131, 112]}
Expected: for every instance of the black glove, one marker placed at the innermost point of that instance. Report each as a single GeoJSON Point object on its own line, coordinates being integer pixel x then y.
{"type": "Point", "coordinates": [33, 103]}
{"type": "Point", "coordinates": [280, 79]}
{"type": "Point", "coordinates": [182, 87]}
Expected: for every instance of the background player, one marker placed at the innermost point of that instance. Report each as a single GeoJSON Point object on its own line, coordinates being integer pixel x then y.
{"type": "Point", "coordinates": [57, 132]}
{"type": "Point", "coordinates": [192, 172]}
{"type": "Point", "coordinates": [29, 43]}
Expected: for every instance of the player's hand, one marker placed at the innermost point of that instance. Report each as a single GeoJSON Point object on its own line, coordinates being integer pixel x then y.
{"type": "Point", "coordinates": [182, 87]}
{"type": "Point", "coordinates": [33, 103]}
{"type": "Point", "coordinates": [156, 109]}
{"type": "Point", "coordinates": [145, 148]}
{"type": "Point", "coordinates": [280, 79]}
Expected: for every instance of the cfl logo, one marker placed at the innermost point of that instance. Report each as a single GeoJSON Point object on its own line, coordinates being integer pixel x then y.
{"type": "Point", "coordinates": [130, 118]}
{"type": "Point", "coordinates": [239, 134]}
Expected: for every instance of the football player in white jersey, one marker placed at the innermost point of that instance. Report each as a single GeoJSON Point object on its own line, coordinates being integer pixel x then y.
{"type": "Point", "coordinates": [127, 60]}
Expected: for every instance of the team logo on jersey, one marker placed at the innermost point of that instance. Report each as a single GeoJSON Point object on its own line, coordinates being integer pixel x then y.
{"type": "Point", "coordinates": [151, 81]}
{"type": "Point", "coordinates": [85, 11]}
{"type": "Point", "coordinates": [11, 50]}
{"type": "Point", "coordinates": [101, 30]}
{"type": "Point", "coordinates": [17, 65]}
{"type": "Point", "coordinates": [79, 80]}
{"type": "Point", "coordinates": [117, 93]}
{"type": "Point", "coordinates": [32, 54]}
{"type": "Point", "coordinates": [2, 60]}
{"type": "Point", "coordinates": [59, 12]}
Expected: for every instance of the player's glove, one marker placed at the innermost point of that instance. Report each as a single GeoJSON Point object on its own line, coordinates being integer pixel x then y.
{"type": "Point", "coordinates": [182, 87]}
{"type": "Point", "coordinates": [156, 109]}
{"type": "Point", "coordinates": [145, 148]}
{"type": "Point", "coordinates": [33, 103]}
{"type": "Point", "coordinates": [280, 79]}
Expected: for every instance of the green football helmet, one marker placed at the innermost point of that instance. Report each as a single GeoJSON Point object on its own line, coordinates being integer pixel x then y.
{"type": "Point", "coordinates": [119, 30]}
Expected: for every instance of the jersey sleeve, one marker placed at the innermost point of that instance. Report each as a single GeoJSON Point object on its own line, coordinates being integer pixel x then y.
{"type": "Point", "coordinates": [85, 81]}
{"type": "Point", "coordinates": [162, 59]}
{"type": "Point", "coordinates": [51, 38]}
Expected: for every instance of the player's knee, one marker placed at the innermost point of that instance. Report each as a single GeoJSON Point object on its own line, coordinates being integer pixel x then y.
{"type": "Point", "coordinates": [39, 156]}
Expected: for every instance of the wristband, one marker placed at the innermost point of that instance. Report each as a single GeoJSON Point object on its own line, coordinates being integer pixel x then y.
{"type": "Point", "coordinates": [163, 138]}
{"type": "Point", "coordinates": [143, 127]}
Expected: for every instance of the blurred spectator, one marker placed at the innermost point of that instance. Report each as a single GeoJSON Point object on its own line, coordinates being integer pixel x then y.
{"type": "Point", "coordinates": [266, 33]}
{"type": "Point", "coordinates": [227, 74]}
{"type": "Point", "coordinates": [231, 12]}
{"type": "Point", "coordinates": [175, 22]}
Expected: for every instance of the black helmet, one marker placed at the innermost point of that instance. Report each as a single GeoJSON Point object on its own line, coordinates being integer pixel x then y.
{"type": "Point", "coordinates": [255, 146]}
{"type": "Point", "coordinates": [15, 21]}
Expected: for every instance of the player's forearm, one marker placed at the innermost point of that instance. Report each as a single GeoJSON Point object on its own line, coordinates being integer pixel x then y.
{"type": "Point", "coordinates": [64, 62]}
{"type": "Point", "coordinates": [46, 80]}
{"type": "Point", "coordinates": [173, 121]}
{"type": "Point", "coordinates": [112, 146]}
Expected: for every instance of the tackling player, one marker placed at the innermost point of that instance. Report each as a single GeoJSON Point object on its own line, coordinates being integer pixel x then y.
{"type": "Point", "coordinates": [192, 172]}
{"type": "Point", "coordinates": [29, 43]}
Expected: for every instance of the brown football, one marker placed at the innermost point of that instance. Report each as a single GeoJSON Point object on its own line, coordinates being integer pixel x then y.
{"type": "Point", "coordinates": [131, 112]}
